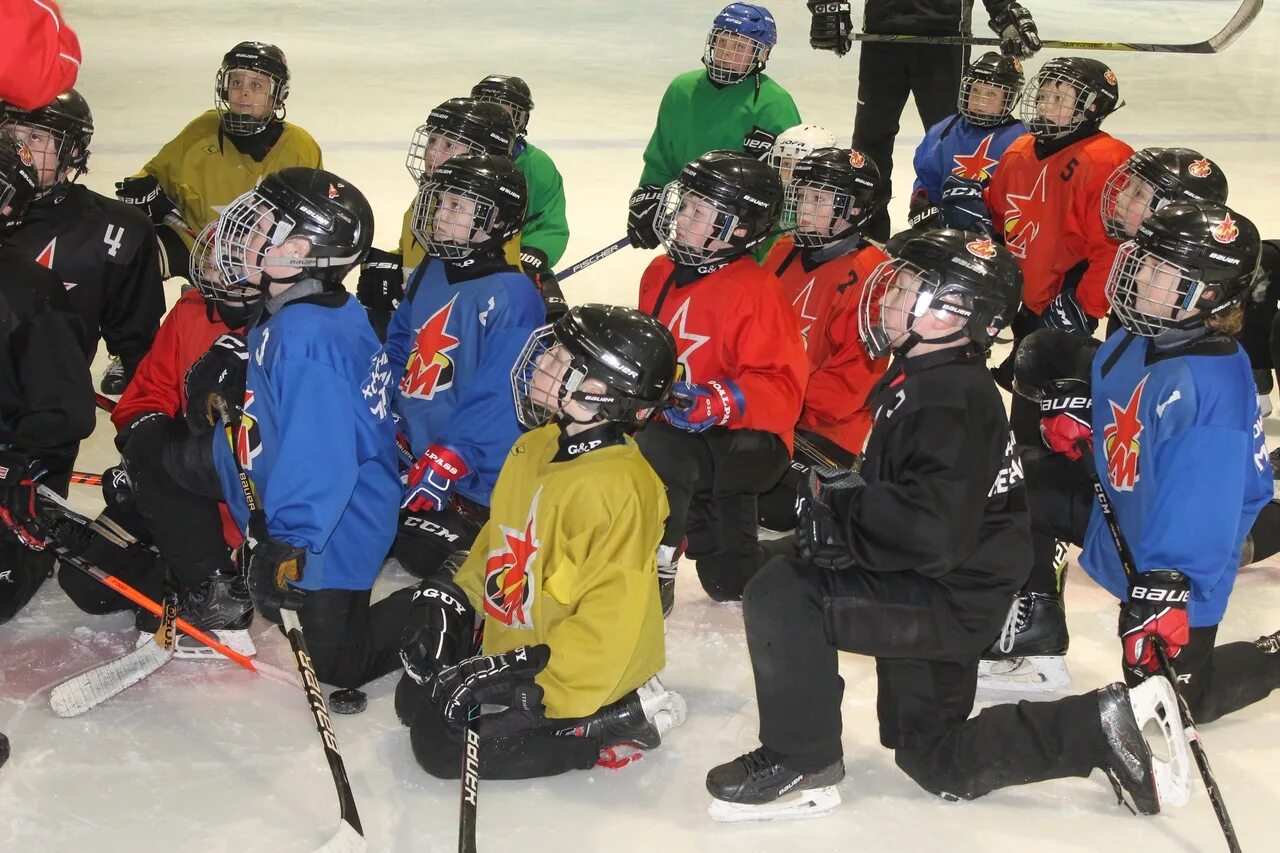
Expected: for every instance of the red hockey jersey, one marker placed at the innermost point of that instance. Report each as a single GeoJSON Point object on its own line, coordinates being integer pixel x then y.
{"type": "Point", "coordinates": [1048, 213]}
{"type": "Point", "coordinates": [734, 324]}
{"type": "Point", "coordinates": [824, 301]}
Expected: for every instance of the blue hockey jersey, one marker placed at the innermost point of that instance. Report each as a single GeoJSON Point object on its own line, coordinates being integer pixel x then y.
{"type": "Point", "coordinates": [317, 440]}
{"type": "Point", "coordinates": [953, 146]}
{"type": "Point", "coordinates": [1179, 448]}
{"type": "Point", "coordinates": [452, 347]}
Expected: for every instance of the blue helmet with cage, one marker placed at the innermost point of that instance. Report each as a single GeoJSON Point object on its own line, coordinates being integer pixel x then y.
{"type": "Point", "coordinates": [739, 42]}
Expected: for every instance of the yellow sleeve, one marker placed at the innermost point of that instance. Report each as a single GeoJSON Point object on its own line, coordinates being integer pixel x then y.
{"type": "Point", "coordinates": [471, 576]}
{"type": "Point", "coordinates": [411, 251]}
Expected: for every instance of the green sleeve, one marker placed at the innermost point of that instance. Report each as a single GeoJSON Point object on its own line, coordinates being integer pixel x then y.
{"type": "Point", "coordinates": [659, 155]}
{"type": "Point", "coordinates": [546, 227]}
{"type": "Point", "coordinates": [777, 109]}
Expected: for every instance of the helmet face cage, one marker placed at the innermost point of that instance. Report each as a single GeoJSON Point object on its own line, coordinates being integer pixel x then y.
{"type": "Point", "coordinates": [432, 146]}
{"type": "Point", "coordinates": [1150, 294]}
{"type": "Point", "coordinates": [206, 275]}
{"type": "Point", "coordinates": [687, 222]}
{"type": "Point", "coordinates": [451, 222]}
{"type": "Point", "coordinates": [519, 114]}
{"type": "Point", "coordinates": [1127, 199]}
{"type": "Point", "coordinates": [265, 86]}
{"type": "Point", "coordinates": [896, 297]}
{"type": "Point", "coordinates": [544, 379]}
{"type": "Point", "coordinates": [819, 213]}
{"type": "Point", "coordinates": [984, 102]}
{"type": "Point", "coordinates": [70, 151]}
{"type": "Point", "coordinates": [247, 228]}
{"type": "Point", "coordinates": [1053, 93]}
{"type": "Point", "coordinates": [731, 56]}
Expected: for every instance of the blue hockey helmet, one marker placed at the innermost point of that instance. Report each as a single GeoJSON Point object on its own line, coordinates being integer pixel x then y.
{"type": "Point", "coordinates": [739, 42]}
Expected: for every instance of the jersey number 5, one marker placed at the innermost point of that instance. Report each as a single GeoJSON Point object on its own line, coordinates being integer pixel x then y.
{"type": "Point", "coordinates": [1069, 170]}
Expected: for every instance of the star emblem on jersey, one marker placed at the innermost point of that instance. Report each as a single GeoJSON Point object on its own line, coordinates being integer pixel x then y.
{"type": "Point", "coordinates": [248, 439]}
{"type": "Point", "coordinates": [802, 302]}
{"type": "Point", "coordinates": [429, 368]}
{"type": "Point", "coordinates": [687, 342]}
{"type": "Point", "coordinates": [509, 583]}
{"type": "Point", "coordinates": [1225, 231]}
{"type": "Point", "coordinates": [1200, 168]}
{"type": "Point", "coordinates": [1120, 440]}
{"type": "Point", "coordinates": [1021, 222]}
{"type": "Point", "coordinates": [45, 259]}
{"type": "Point", "coordinates": [976, 166]}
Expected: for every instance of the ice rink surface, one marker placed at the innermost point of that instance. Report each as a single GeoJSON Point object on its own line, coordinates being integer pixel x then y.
{"type": "Point", "coordinates": [206, 757]}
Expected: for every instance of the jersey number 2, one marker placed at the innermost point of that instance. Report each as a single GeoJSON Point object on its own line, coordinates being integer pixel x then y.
{"type": "Point", "coordinates": [113, 238]}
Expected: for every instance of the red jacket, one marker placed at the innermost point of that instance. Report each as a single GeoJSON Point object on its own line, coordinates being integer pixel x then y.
{"type": "Point", "coordinates": [824, 301]}
{"type": "Point", "coordinates": [734, 324]}
{"type": "Point", "coordinates": [39, 53]}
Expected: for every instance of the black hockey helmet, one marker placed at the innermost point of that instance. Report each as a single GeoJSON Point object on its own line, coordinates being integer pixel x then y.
{"type": "Point", "coordinates": [962, 273]}
{"type": "Point", "coordinates": [329, 213]}
{"type": "Point", "coordinates": [722, 197]}
{"type": "Point", "coordinates": [511, 93]}
{"type": "Point", "coordinates": [1050, 362]}
{"type": "Point", "coordinates": [261, 58]}
{"type": "Point", "coordinates": [483, 127]}
{"type": "Point", "coordinates": [1188, 261]}
{"type": "Point", "coordinates": [18, 181]}
{"type": "Point", "coordinates": [1001, 72]}
{"type": "Point", "coordinates": [856, 192]}
{"type": "Point", "coordinates": [1152, 178]}
{"type": "Point", "coordinates": [472, 203]}
{"type": "Point", "coordinates": [631, 353]}
{"type": "Point", "coordinates": [1096, 96]}
{"type": "Point", "coordinates": [67, 123]}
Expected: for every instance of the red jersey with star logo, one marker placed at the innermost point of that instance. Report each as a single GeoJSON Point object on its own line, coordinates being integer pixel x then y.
{"type": "Point", "coordinates": [735, 324]}
{"type": "Point", "coordinates": [1047, 211]}
{"type": "Point", "coordinates": [825, 302]}
{"type": "Point", "coordinates": [430, 369]}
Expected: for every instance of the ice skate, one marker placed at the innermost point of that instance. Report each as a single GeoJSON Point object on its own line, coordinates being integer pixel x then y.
{"type": "Point", "coordinates": [113, 383]}
{"type": "Point", "coordinates": [1030, 655]}
{"type": "Point", "coordinates": [668, 562]}
{"type": "Point", "coordinates": [220, 606]}
{"type": "Point", "coordinates": [1150, 759]}
{"type": "Point", "coordinates": [635, 723]}
{"type": "Point", "coordinates": [757, 787]}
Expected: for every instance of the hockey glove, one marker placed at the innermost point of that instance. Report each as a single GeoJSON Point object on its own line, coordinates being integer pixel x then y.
{"type": "Point", "coordinates": [1066, 314]}
{"type": "Point", "coordinates": [1156, 609]}
{"type": "Point", "coordinates": [440, 630]}
{"type": "Point", "coordinates": [505, 679]}
{"type": "Point", "coordinates": [272, 566]}
{"type": "Point", "coordinates": [19, 477]}
{"type": "Point", "coordinates": [431, 477]}
{"type": "Point", "coordinates": [923, 213]}
{"type": "Point", "coordinates": [1066, 420]}
{"type": "Point", "coordinates": [145, 192]}
{"type": "Point", "coordinates": [698, 408]}
{"type": "Point", "coordinates": [217, 376]}
{"type": "Point", "coordinates": [1017, 30]}
{"type": "Point", "coordinates": [818, 536]}
{"type": "Point", "coordinates": [381, 283]}
{"type": "Point", "coordinates": [758, 142]}
{"type": "Point", "coordinates": [534, 264]}
{"type": "Point", "coordinates": [963, 206]}
{"type": "Point", "coordinates": [640, 218]}
{"type": "Point", "coordinates": [831, 27]}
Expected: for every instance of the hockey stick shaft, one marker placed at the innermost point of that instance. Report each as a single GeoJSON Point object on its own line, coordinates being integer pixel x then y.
{"type": "Point", "coordinates": [591, 259]}
{"type": "Point", "coordinates": [175, 220]}
{"type": "Point", "coordinates": [470, 778]}
{"type": "Point", "coordinates": [84, 478]}
{"type": "Point", "coordinates": [104, 402]}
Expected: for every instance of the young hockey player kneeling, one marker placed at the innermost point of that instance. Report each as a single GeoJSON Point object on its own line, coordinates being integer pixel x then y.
{"type": "Point", "coordinates": [915, 565]}
{"type": "Point", "coordinates": [562, 578]}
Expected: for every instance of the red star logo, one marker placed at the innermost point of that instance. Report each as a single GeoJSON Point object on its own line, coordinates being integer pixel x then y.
{"type": "Point", "coordinates": [509, 583]}
{"type": "Point", "coordinates": [1020, 222]}
{"type": "Point", "coordinates": [429, 368]}
{"type": "Point", "coordinates": [248, 442]}
{"type": "Point", "coordinates": [975, 166]}
{"type": "Point", "coordinates": [801, 304]}
{"type": "Point", "coordinates": [1120, 441]}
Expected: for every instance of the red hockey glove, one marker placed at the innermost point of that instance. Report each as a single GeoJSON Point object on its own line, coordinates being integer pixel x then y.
{"type": "Point", "coordinates": [1157, 607]}
{"type": "Point", "coordinates": [697, 408]}
{"type": "Point", "coordinates": [19, 477]}
{"type": "Point", "coordinates": [431, 478]}
{"type": "Point", "coordinates": [1066, 421]}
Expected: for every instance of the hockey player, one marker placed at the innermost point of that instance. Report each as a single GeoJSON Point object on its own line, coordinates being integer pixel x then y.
{"type": "Point", "coordinates": [1173, 415]}
{"type": "Point", "coordinates": [821, 267]}
{"type": "Point", "coordinates": [222, 153]}
{"type": "Point", "coordinates": [561, 579]}
{"type": "Point", "coordinates": [450, 345]}
{"type": "Point", "coordinates": [955, 160]}
{"type": "Point", "coordinates": [46, 395]}
{"type": "Point", "coordinates": [728, 436]}
{"type": "Point", "coordinates": [103, 250]}
{"type": "Point", "coordinates": [731, 104]}
{"type": "Point", "coordinates": [915, 565]}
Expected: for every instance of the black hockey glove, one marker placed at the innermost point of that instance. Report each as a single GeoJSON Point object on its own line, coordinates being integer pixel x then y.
{"type": "Point", "coordinates": [145, 192]}
{"type": "Point", "coordinates": [505, 679]}
{"type": "Point", "coordinates": [218, 375]}
{"type": "Point", "coordinates": [440, 630]}
{"type": "Point", "coordinates": [831, 27]}
{"type": "Point", "coordinates": [640, 220]}
{"type": "Point", "coordinates": [923, 213]}
{"type": "Point", "coordinates": [20, 474]}
{"type": "Point", "coordinates": [1017, 30]}
{"type": "Point", "coordinates": [270, 568]}
{"type": "Point", "coordinates": [818, 534]}
{"type": "Point", "coordinates": [963, 206]}
{"type": "Point", "coordinates": [381, 284]}
{"type": "Point", "coordinates": [758, 143]}
{"type": "Point", "coordinates": [1066, 314]}
{"type": "Point", "coordinates": [1155, 612]}
{"type": "Point", "coordinates": [534, 264]}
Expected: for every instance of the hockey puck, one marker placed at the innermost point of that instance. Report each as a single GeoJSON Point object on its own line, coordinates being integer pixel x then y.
{"type": "Point", "coordinates": [348, 701]}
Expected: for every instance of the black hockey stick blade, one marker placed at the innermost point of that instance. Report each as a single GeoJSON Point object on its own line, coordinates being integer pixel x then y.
{"type": "Point", "coordinates": [470, 778]}
{"type": "Point", "coordinates": [1239, 22]}
{"type": "Point", "coordinates": [591, 259]}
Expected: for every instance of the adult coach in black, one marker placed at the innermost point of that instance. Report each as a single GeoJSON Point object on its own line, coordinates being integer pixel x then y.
{"type": "Point", "coordinates": [888, 73]}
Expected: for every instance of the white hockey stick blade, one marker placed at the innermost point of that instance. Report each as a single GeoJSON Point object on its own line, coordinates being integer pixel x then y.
{"type": "Point", "coordinates": [347, 840]}
{"type": "Point", "coordinates": [810, 803]}
{"type": "Point", "coordinates": [92, 688]}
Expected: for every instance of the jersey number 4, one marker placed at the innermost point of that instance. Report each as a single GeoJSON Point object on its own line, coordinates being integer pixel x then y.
{"type": "Point", "coordinates": [113, 238]}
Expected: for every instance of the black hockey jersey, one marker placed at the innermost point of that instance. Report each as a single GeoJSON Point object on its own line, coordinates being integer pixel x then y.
{"type": "Point", "coordinates": [925, 17]}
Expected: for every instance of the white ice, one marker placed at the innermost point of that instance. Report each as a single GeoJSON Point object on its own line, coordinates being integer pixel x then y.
{"type": "Point", "coordinates": [207, 757]}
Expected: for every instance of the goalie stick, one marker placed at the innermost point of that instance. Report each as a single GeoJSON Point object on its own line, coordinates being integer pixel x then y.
{"type": "Point", "coordinates": [92, 687]}
{"type": "Point", "coordinates": [1239, 22]}
{"type": "Point", "coordinates": [591, 259]}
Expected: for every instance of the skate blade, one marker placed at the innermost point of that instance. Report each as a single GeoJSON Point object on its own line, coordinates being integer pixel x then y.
{"type": "Point", "coordinates": [1155, 708]}
{"type": "Point", "coordinates": [666, 709]}
{"type": "Point", "coordinates": [190, 648]}
{"type": "Point", "coordinates": [810, 803]}
{"type": "Point", "coordinates": [1041, 674]}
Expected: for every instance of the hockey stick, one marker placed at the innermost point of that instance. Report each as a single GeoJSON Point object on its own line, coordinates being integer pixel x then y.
{"type": "Point", "coordinates": [470, 778]}
{"type": "Point", "coordinates": [84, 478]}
{"type": "Point", "coordinates": [91, 688]}
{"type": "Point", "coordinates": [591, 259]}
{"type": "Point", "coordinates": [350, 834]}
{"type": "Point", "coordinates": [1239, 22]}
{"type": "Point", "coordinates": [1188, 723]}
{"type": "Point", "coordinates": [104, 402]}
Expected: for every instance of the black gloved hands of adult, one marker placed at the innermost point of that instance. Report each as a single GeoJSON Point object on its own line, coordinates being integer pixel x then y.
{"type": "Point", "coordinates": [818, 531]}
{"type": "Point", "coordinates": [831, 26]}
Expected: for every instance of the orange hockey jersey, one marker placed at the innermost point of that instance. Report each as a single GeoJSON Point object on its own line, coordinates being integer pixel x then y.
{"type": "Point", "coordinates": [824, 300]}
{"type": "Point", "coordinates": [734, 324]}
{"type": "Point", "coordinates": [1047, 212]}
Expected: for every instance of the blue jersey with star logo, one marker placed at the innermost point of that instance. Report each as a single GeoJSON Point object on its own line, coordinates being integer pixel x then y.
{"type": "Point", "coordinates": [954, 146]}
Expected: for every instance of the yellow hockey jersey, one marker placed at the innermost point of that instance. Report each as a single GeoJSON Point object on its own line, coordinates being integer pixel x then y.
{"type": "Point", "coordinates": [202, 177]}
{"type": "Point", "coordinates": [569, 558]}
